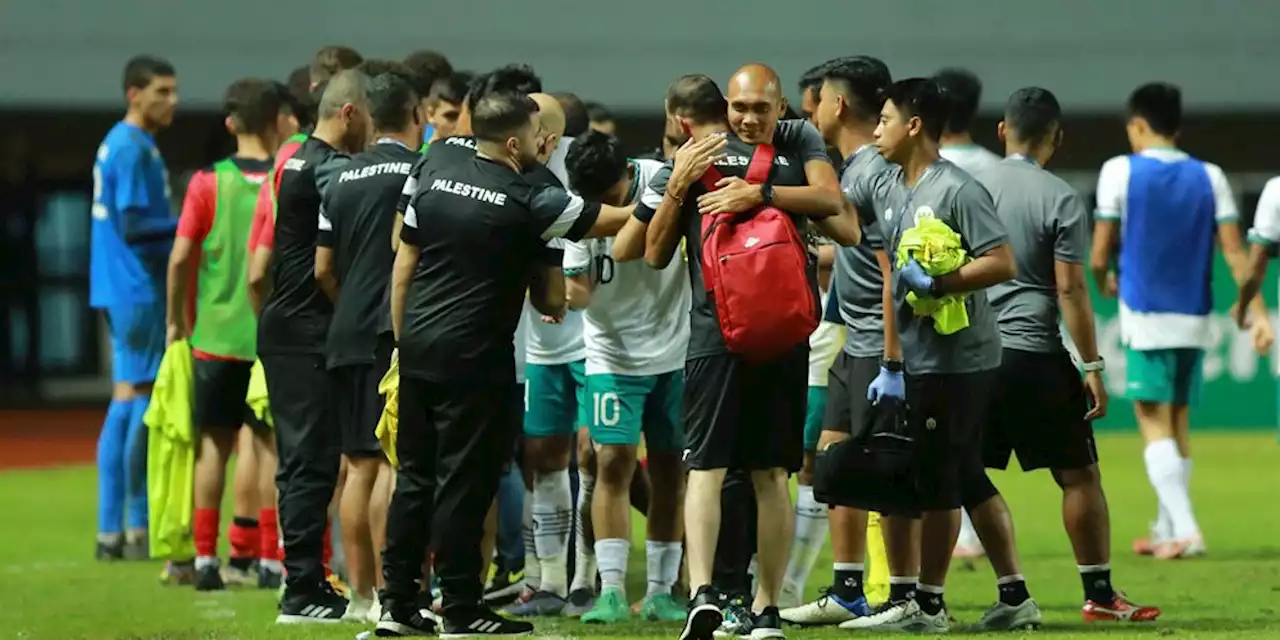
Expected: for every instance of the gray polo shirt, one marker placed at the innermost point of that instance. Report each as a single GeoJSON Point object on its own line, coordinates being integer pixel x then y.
{"type": "Point", "coordinates": [952, 196]}
{"type": "Point", "coordinates": [1046, 223]}
{"type": "Point", "coordinates": [856, 279]}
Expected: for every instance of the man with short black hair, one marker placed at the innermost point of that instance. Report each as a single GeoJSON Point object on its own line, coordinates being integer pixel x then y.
{"type": "Point", "coordinates": [636, 332]}
{"type": "Point", "coordinates": [211, 252]}
{"type": "Point", "coordinates": [810, 91]}
{"type": "Point", "coordinates": [444, 106]}
{"type": "Point", "coordinates": [947, 376]}
{"type": "Point", "coordinates": [131, 236]}
{"type": "Point", "coordinates": [848, 105]}
{"type": "Point", "coordinates": [1040, 409]}
{"type": "Point", "coordinates": [963, 91]}
{"type": "Point", "coordinates": [600, 118]}
{"type": "Point", "coordinates": [455, 318]}
{"type": "Point", "coordinates": [292, 330]}
{"type": "Point", "coordinates": [1165, 208]}
{"type": "Point", "coordinates": [353, 267]}
{"type": "Point", "coordinates": [429, 67]}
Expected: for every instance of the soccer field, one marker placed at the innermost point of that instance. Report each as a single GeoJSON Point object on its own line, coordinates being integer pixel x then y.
{"type": "Point", "coordinates": [55, 589]}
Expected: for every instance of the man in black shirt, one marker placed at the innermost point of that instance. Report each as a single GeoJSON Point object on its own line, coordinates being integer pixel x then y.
{"type": "Point", "coordinates": [740, 416]}
{"type": "Point", "coordinates": [291, 336]}
{"type": "Point", "coordinates": [353, 267]}
{"type": "Point", "coordinates": [474, 239]}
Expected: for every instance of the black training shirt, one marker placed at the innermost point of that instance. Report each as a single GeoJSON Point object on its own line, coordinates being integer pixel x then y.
{"type": "Point", "coordinates": [481, 229]}
{"type": "Point", "coordinates": [295, 317]}
{"type": "Point", "coordinates": [357, 219]}
{"type": "Point", "coordinates": [449, 151]}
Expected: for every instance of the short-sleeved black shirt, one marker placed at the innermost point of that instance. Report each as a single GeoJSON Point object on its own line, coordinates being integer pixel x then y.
{"type": "Point", "coordinates": [295, 317]}
{"type": "Point", "coordinates": [449, 151]}
{"type": "Point", "coordinates": [481, 228]}
{"type": "Point", "coordinates": [705, 337]}
{"type": "Point", "coordinates": [357, 219]}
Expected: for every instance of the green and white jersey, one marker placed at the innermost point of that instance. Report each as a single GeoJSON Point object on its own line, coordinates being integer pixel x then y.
{"type": "Point", "coordinates": [638, 320]}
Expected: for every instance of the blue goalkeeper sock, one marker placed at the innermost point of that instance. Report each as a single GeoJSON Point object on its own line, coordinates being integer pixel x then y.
{"type": "Point", "coordinates": [111, 467]}
{"type": "Point", "coordinates": [136, 465]}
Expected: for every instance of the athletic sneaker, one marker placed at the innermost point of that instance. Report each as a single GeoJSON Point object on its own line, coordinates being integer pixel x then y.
{"type": "Point", "coordinates": [581, 601]}
{"type": "Point", "coordinates": [109, 551]}
{"type": "Point", "coordinates": [1119, 609]}
{"type": "Point", "coordinates": [339, 587]}
{"type": "Point", "coordinates": [178, 573]}
{"type": "Point", "coordinates": [827, 610]}
{"type": "Point", "coordinates": [1145, 546]}
{"type": "Point", "coordinates": [320, 604]}
{"type": "Point", "coordinates": [766, 624]}
{"type": "Point", "coordinates": [704, 616]}
{"type": "Point", "coordinates": [1004, 617]}
{"type": "Point", "coordinates": [736, 619]}
{"type": "Point", "coordinates": [485, 622]}
{"type": "Point", "coordinates": [662, 607]}
{"type": "Point", "coordinates": [789, 597]}
{"type": "Point", "coordinates": [540, 603]}
{"type": "Point", "coordinates": [398, 622]}
{"type": "Point", "coordinates": [888, 612]}
{"type": "Point", "coordinates": [611, 607]}
{"type": "Point", "coordinates": [270, 574]}
{"type": "Point", "coordinates": [137, 548]}
{"type": "Point", "coordinates": [904, 617]}
{"type": "Point", "coordinates": [209, 575]}
{"type": "Point", "coordinates": [358, 609]}
{"type": "Point", "coordinates": [505, 585]}
{"type": "Point", "coordinates": [240, 576]}
{"type": "Point", "coordinates": [1181, 549]}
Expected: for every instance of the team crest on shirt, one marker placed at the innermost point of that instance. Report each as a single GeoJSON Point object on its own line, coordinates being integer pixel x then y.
{"type": "Point", "coordinates": [888, 213]}
{"type": "Point", "coordinates": [923, 213]}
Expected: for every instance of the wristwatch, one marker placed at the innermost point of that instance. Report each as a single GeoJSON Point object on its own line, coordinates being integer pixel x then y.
{"type": "Point", "coordinates": [766, 194]}
{"type": "Point", "coordinates": [892, 366]}
{"type": "Point", "coordinates": [1097, 365]}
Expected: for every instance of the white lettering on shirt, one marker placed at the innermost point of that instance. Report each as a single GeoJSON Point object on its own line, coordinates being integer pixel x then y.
{"type": "Point", "coordinates": [461, 142]}
{"type": "Point", "coordinates": [401, 168]}
{"type": "Point", "coordinates": [745, 161]}
{"type": "Point", "coordinates": [470, 191]}
{"type": "Point", "coordinates": [294, 164]}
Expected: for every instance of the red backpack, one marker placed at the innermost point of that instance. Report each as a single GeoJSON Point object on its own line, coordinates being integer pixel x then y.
{"type": "Point", "coordinates": [754, 267]}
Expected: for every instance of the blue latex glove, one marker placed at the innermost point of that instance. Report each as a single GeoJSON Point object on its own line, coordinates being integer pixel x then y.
{"type": "Point", "coordinates": [916, 279]}
{"type": "Point", "coordinates": [888, 384]}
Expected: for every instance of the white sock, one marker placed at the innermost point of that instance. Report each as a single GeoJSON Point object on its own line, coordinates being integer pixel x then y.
{"type": "Point", "coordinates": [532, 570]}
{"type": "Point", "coordinates": [612, 554]}
{"type": "Point", "coordinates": [806, 543]}
{"type": "Point", "coordinates": [584, 554]}
{"type": "Point", "coordinates": [658, 561]}
{"type": "Point", "coordinates": [552, 520]}
{"type": "Point", "coordinates": [1165, 471]}
{"type": "Point", "coordinates": [968, 536]}
{"type": "Point", "coordinates": [207, 561]}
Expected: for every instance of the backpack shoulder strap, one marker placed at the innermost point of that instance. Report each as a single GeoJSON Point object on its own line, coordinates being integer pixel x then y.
{"type": "Point", "coordinates": [710, 177]}
{"type": "Point", "coordinates": [761, 164]}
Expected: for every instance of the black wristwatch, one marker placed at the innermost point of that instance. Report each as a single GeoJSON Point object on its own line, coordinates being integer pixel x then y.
{"type": "Point", "coordinates": [766, 194]}
{"type": "Point", "coordinates": [892, 366]}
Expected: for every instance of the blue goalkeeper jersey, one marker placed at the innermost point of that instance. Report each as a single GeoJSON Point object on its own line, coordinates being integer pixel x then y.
{"type": "Point", "coordinates": [133, 225]}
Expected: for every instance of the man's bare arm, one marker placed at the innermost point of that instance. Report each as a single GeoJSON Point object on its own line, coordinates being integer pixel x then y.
{"type": "Point", "coordinates": [259, 279]}
{"type": "Point", "coordinates": [547, 290]}
{"type": "Point", "coordinates": [629, 243]}
{"type": "Point", "coordinates": [401, 275]}
{"type": "Point", "coordinates": [1239, 262]}
{"type": "Point", "coordinates": [326, 275]}
{"type": "Point", "coordinates": [1105, 234]}
{"type": "Point", "coordinates": [578, 291]}
{"type": "Point", "coordinates": [892, 346]}
{"type": "Point", "coordinates": [181, 260]}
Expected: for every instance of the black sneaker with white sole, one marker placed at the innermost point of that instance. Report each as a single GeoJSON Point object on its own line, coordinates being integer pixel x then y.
{"type": "Point", "coordinates": [767, 625]}
{"type": "Point", "coordinates": [704, 616]}
{"type": "Point", "coordinates": [404, 621]}
{"type": "Point", "coordinates": [484, 622]}
{"type": "Point", "coordinates": [317, 605]}
{"type": "Point", "coordinates": [209, 577]}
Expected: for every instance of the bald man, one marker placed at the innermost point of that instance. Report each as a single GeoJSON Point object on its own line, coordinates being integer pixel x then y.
{"type": "Point", "coordinates": [292, 330]}
{"type": "Point", "coordinates": [555, 378]}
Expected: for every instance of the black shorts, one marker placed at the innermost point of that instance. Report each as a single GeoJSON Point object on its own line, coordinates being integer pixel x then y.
{"type": "Point", "coordinates": [945, 417]}
{"type": "Point", "coordinates": [1037, 411]}
{"type": "Point", "coordinates": [745, 416]}
{"type": "Point", "coordinates": [358, 403]}
{"type": "Point", "coordinates": [220, 387]}
{"type": "Point", "coordinates": [847, 403]}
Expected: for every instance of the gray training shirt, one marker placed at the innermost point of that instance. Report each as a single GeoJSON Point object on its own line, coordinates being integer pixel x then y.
{"type": "Point", "coordinates": [1046, 222]}
{"type": "Point", "coordinates": [948, 193]}
{"type": "Point", "coordinates": [856, 278]}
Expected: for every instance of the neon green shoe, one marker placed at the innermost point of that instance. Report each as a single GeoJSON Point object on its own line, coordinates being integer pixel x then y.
{"type": "Point", "coordinates": [662, 607]}
{"type": "Point", "coordinates": [611, 607]}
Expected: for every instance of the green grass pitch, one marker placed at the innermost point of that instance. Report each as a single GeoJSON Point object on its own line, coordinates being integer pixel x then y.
{"type": "Point", "coordinates": [54, 589]}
